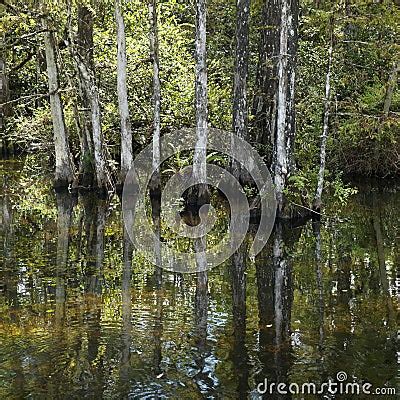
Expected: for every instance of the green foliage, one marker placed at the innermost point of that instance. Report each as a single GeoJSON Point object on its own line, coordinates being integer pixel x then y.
{"type": "Point", "coordinates": [34, 132]}
{"type": "Point", "coordinates": [360, 140]}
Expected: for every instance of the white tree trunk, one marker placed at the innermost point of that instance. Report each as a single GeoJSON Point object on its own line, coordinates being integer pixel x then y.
{"type": "Point", "coordinates": [293, 19]}
{"type": "Point", "coordinates": [126, 131]}
{"type": "Point", "coordinates": [101, 173]}
{"type": "Point", "coordinates": [281, 160]}
{"type": "Point", "coordinates": [64, 170]}
{"type": "Point", "coordinates": [92, 93]}
{"type": "Point", "coordinates": [200, 152]}
{"type": "Point", "coordinates": [199, 160]}
{"type": "Point", "coordinates": [154, 50]}
{"type": "Point", "coordinates": [324, 137]}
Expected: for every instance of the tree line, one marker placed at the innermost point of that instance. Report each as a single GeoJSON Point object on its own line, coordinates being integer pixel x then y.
{"type": "Point", "coordinates": [311, 84]}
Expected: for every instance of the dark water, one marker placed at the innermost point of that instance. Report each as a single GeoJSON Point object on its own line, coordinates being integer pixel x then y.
{"type": "Point", "coordinates": [83, 317]}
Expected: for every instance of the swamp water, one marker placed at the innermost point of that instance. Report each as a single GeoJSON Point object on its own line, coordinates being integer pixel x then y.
{"type": "Point", "coordinates": [80, 317]}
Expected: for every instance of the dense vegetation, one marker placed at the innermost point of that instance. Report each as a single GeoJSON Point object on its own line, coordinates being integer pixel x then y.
{"type": "Point", "coordinates": [86, 85]}
{"type": "Point", "coordinates": [363, 103]}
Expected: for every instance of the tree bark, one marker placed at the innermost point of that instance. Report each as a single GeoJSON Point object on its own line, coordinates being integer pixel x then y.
{"type": "Point", "coordinates": [85, 35]}
{"type": "Point", "coordinates": [199, 160]}
{"type": "Point", "coordinates": [324, 137]}
{"type": "Point", "coordinates": [126, 131]}
{"type": "Point", "coordinates": [274, 103]}
{"type": "Point", "coordinates": [240, 114]}
{"type": "Point", "coordinates": [91, 91]}
{"type": "Point", "coordinates": [293, 22]}
{"type": "Point", "coordinates": [4, 97]}
{"type": "Point", "coordinates": [64, 174]}
{"type": "Point", "coordinates": [154, 54]}
{"type": "Point", "coordinates": [390, 88]}
{"type": "Point", "coordinates": [280, 151]}
{"type": "Point", "coordinates": [86, 71]}
{"type": "Point", "coordinates": [85, 51]}
{"type": "Point", "coordinates": [264, 103]}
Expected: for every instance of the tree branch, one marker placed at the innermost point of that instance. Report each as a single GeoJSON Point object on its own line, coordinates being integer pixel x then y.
{"type": "Point", "coordinates": [34, 96]}
{"type": "Point", "coordinates": [23, 62]}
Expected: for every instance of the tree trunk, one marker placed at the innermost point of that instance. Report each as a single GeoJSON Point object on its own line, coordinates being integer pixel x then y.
{"type": "Point", "coordinates": [199, 160]}
{"type": "Point", "coordinates": [85, 35]}
{"type": "Point", "coordinates": [86, 71]}
{"type": "Point", "coordinates": [91, 91]}
{"type": "Point", "coordinates": [240, 115]}
{"type": "Point", "coordinates": [390, 88]}
{"type": "Point", "coordinates": [126, 131]}
{"type": "Point", "coordinates": [324, 137]}
{"type": "Point", "coordinates": [4, 97]}
{"type": "Point", "coordinates": [101, 173]}
{"type": "Point", "coordinates": [64, 174]}
{"type": "Point", "coordinates": [264, 104]}
{"type": "Point", "coordinates": [155, 182]}
{"type": "Point", "coordinates": [274, 103]}
{"type": "Point", "coordinates": [239, 258]}
{"type": "Point", "coordinates": [280, 151]}
{"type": "Point", "coordinates": [293, 22]}
{"type": "Point", "coordinates": [85, 51]}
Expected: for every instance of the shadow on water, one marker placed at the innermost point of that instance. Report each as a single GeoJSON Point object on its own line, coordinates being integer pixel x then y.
{"type": "Point", "coordinates": [84, 315]}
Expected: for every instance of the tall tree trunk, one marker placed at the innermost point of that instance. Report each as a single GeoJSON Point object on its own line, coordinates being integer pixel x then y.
{"type": "Point", "coordinates": [274, 103]}
{"type": "Point", "coordinates": [85, 51]}
{"type": "Point", "coordinates": [154, 50]}
{"type": "Point", "coordinates": [126, 131]}
{"type": "Point", "coordinates": [293, 22]}
{"type": "Point", "coordinates": [101, 173]}
{"type": "Point", "coordinates": [264, 103]}
{"type": "Point", "coordinates": [199, 160]}
{"type": "Point", "coordinates": [92, 93]}
{"type": "Point", "coordinates": [240, 129]}
{"type": "Point", "coordinates": [280, 151]}
{"type": "Point", "coordinates": [4, 94]}
{"type": "Point", "coordinates": [89, 88]}
{"type": "Point", "coordinates": [240, 115]}
{"type": "Point", "coordinates": [64, 174]}
{"type": "Point", "coordinates": [324, 137]}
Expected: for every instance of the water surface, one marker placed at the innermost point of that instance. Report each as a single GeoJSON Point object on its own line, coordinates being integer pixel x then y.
{"type": "Point", "coordinates": [82, 316]}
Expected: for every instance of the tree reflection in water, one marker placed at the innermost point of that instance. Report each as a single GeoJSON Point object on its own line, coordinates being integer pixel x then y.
{"type": "Point", "coordinates": [83, 314]}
